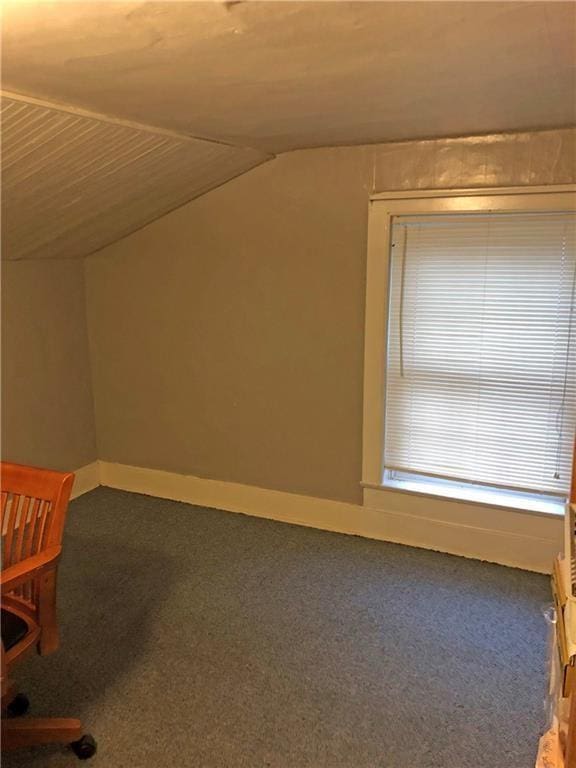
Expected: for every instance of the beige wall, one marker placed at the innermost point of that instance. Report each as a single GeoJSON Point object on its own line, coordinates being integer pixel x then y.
{"type": "Point", "coordinates": [47, 406]}
{"type": "Point", "coordinates": [227, 337]}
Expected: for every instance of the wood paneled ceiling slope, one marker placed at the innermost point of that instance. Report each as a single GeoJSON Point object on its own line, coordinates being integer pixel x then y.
{"type": "Point", "coordinates": [73, 182]}
{"type": "Point", "coordinates": [113, 113]}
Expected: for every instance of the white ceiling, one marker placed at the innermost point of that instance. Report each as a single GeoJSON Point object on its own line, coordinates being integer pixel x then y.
{"type": "Point", "coordinates": [283, 75]}
{"type": "Point", "coordinates": [182, 96]}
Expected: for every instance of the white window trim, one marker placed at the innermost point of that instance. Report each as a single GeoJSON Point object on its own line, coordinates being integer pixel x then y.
{"type": "Point", "coordinates": [383, 207]}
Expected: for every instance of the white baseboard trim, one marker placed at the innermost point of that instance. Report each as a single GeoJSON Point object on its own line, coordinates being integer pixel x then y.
{"type": "Point", "coordinates": [513, 548]}
{"type": "Point", "coordinates": [86, 479]}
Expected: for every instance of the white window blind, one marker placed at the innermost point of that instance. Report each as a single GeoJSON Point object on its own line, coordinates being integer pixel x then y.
{"type": "Point", "coordinates": [481, 369]}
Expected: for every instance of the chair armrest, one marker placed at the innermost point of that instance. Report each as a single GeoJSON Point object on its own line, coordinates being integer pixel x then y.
{"type": "Point", "coordinates": [28, 569]}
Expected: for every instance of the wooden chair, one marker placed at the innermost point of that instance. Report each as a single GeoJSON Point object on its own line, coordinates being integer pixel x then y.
{"type": "Point", "coordinates": [33, 512]}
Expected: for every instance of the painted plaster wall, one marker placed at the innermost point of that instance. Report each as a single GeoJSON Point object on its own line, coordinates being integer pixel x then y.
{"type": "Point", "coordinates": [47, 405]}
{"type": "Point", "coordinates": [227, 337]}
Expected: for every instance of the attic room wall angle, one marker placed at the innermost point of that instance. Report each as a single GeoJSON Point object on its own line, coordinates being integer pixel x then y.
{"type": "Point", "coordinates": [75, 181]}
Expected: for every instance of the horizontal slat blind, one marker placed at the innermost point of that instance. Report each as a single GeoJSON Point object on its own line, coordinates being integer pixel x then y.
{"type": "Point", "coordinates": [481, 373]}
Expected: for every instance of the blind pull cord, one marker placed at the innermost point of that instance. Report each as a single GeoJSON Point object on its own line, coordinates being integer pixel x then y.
{"type": "Point", "coordinates": [401, 307]}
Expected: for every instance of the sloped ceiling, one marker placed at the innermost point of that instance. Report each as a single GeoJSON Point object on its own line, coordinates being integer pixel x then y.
{"type": "Point", "coordinates": [234, 81]}
{"type": "Point", "coordinates": [74, 182]}
{"type": "Point", "coordinates": [286, 75]}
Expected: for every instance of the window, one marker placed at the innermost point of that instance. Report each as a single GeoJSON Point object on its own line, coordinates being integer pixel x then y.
{"type": "Point", "coordinates": [478, 384]}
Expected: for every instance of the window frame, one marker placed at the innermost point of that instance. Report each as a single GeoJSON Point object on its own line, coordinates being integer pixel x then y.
{"type": "Point", "coordinates": [382, 208]}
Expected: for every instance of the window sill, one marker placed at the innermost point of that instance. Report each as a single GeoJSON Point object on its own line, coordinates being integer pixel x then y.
{"type": "Point", "coordinates": [519, 502]}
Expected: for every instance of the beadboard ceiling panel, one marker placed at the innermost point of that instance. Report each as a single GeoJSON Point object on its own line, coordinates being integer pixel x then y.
{"type": "Point", "coordinates": [72, 182]}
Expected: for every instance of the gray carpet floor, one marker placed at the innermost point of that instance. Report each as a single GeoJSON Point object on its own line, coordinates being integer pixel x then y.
{"type": "Point", "coordinates": [194, 637]}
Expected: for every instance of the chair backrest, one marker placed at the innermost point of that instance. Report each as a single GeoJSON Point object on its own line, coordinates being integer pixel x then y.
{"type": "Point", "coordinates": [33, 511]}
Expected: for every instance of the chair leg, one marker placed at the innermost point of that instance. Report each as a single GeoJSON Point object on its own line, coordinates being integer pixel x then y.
{"type": "Point", "coordinates": [31, 732]}
{"type": "Point", "coordinates": [49, 639]}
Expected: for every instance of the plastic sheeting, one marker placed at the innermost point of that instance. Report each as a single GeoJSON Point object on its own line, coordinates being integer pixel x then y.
{"type": "Point", "coordinates": [515, 159]}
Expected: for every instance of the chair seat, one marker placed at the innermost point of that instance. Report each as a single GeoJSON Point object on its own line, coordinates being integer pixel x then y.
{"type": "Point", "coordinates": [14, 629]}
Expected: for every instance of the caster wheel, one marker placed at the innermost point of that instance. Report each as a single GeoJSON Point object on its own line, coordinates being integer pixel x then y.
{"type": "Point", "coordinates": [18, 706]}
{"type": "Point", "coordinates": [84, 748]}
